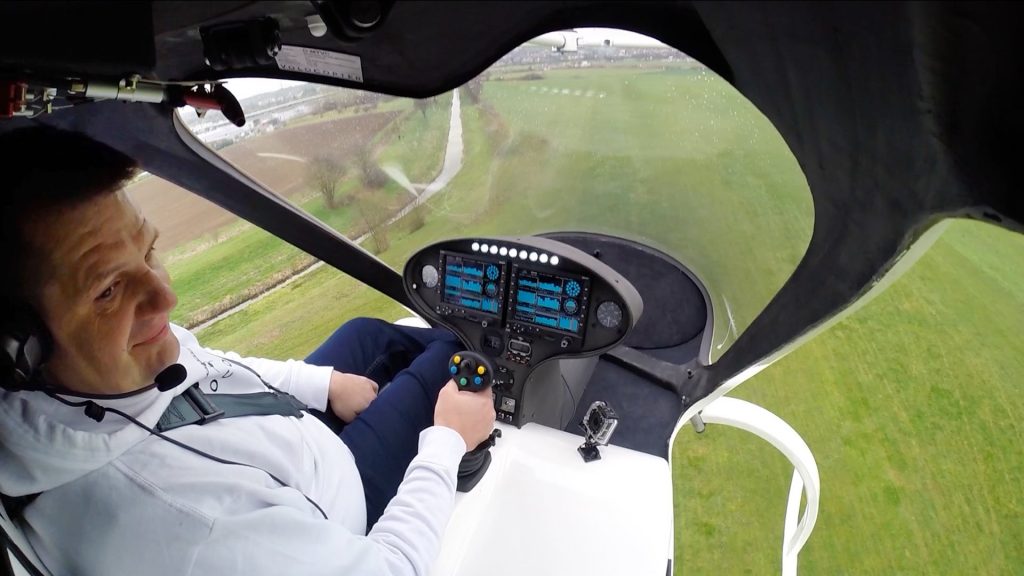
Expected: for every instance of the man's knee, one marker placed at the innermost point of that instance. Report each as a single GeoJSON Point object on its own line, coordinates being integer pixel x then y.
{"type": "Point", "coordinates": [365, 329]}
{"type": "Point", "coordinates": [361, 325]}
{"type": "Point", "coordinates": [448, 343]}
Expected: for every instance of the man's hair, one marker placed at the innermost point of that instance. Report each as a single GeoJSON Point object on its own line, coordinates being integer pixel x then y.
{"type": "Point", "coordinates": [47, 168]}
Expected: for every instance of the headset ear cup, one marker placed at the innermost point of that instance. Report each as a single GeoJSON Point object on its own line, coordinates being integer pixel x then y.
{"type": "Point", "coordinates": [26, 346]}
{"type": "Point", "coordinates": [10, 378]}
{"type": "Point", "coordinates": [31, 357]}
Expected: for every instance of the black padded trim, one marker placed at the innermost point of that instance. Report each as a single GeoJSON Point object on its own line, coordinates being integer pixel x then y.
{"type": "Point", "coordinates": [665, 374]}
{"type": "Point", "coordinates": [647, 412]}
{"type": "Point", "coordinates": [676, 303]}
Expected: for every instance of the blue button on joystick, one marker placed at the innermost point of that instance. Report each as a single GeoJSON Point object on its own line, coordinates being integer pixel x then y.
{"type": "Point", "coordinates": [453, 369]}
{"type": "Point", "coordinates": [478, 380]}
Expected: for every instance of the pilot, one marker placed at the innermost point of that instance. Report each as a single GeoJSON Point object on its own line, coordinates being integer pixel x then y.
{"type": "Point", "coordinates": [119, 482]}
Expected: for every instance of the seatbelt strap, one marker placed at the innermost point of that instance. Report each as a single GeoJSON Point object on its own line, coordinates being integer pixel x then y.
{"type": "Point", "coordinates": [13, 541]}
{"type": "Point", "coordinates": [195, 407]}
{"type": "Point", "coordinates": [15, 504]}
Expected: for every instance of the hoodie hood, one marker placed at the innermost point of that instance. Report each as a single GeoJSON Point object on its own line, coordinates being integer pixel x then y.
{"type": "Point", "coordinates": [45, 444]}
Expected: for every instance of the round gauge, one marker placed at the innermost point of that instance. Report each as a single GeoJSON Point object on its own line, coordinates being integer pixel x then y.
{"type": "Point", "coordinates": [572, 288]}
{"type": "Point", "coordinates": [429, 276]}
{"type": "Point", "coordinates": [570, 306]}
{"type": "Point", "coordinates": [609, 314]}
{"type": "Point", "coordinates": [492, 272]}
{"type": "Point", "coordinates": [491, 289]}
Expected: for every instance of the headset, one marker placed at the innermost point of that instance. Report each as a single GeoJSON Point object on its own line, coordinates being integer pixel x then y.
{"type": "Point", "coordinates": [27, 345]}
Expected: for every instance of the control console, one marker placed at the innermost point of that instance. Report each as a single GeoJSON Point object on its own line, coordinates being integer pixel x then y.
{"type": "Point", "coordinates": [521, 302]}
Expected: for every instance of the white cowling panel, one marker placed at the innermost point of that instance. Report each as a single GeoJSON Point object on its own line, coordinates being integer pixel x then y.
{"type": "Point", "coordinates": [541, 510]}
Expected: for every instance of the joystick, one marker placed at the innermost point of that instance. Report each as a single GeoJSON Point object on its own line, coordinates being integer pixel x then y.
{"type": "Point", "coordinates": [473, 372]}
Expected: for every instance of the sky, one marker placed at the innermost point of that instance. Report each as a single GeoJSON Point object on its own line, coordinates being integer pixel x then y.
{"type": "Point", "coordinates": [619, 36]}
{"type": "Point", "coordinates": [245, 87]}
{"type": "Point", "coordinates": [242, 88]}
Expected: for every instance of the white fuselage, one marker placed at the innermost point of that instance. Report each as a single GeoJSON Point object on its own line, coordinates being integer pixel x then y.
{"type": "Point", "coordinates": [540, 509]}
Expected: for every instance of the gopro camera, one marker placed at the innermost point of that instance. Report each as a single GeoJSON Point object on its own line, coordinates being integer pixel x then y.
{"type": "Point", "coordinates": [598, 425]}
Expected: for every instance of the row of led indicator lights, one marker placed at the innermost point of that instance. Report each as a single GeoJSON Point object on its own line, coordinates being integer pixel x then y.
{"type": "Point", "coordinates": [514, 253]}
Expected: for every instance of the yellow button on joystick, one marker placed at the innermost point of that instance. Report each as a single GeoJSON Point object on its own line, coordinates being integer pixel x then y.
{"type": "Point", "coordinates": [480, 370]}
{"type": "Point", "coordinates": [456, 359]}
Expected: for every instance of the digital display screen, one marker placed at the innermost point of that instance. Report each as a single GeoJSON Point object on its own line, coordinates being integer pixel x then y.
{"type": "Point", "coordinates": [550, 301]}
{"type": "Point", "coordinates": [473, 285]}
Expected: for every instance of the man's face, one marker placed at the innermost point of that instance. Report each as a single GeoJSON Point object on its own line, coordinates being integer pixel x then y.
{"type": "Point", "coordinates": [103, 294]}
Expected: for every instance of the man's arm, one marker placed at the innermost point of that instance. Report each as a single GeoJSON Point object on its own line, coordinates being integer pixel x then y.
{"type": "Point", "coordinates": [404, 542]}
{"type": "Point", "coordinates": [306, 382]}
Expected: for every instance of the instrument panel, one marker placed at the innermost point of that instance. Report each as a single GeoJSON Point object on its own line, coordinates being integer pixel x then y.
{"type": "Point", "coordinates": [521, 301]}
{"type": "Point", "coordinates": [473, 286]}
{"type": "Point", "coordinates": [548, 301]}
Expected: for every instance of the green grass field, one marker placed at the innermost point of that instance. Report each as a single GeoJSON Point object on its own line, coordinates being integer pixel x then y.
{"type": "Point", "coordinates": [417, 145]}
{"type": "Point", "coordinates": [912, 407]}
{"type": "Point", "coordinates": [908, 405]}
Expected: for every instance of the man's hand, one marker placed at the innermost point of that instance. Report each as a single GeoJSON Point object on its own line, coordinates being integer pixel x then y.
{"type": "Point", "coordinates": [350, 394]}
{"type": "Point", "coordinates": [471, 414]}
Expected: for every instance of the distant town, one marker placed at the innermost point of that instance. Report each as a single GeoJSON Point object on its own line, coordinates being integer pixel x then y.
{"type": "Point", "coordinates": [274, 109]}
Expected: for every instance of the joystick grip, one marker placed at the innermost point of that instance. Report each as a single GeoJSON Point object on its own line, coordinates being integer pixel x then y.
{"type": "Point", "coordinates": [471, 371]}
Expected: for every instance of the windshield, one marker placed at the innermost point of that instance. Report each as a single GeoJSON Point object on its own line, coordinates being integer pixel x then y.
{"type": "Point", "coordinates": [647, 144]}
{"type": "Point", "coordinates": [643, 143]}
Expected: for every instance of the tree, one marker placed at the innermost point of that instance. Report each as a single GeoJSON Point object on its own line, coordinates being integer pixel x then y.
{"type": "Point", "coordinates": [373, 176]}
{"type": "Point", "coordinates": [474, 87]}
{"type": "Point", "coordinates": [421, 104]}
{"type": "Point", "coordinates": [374, 215]}
{"type": "Point", "coordinates": [416, 218]}
{"type": "Point", "coordinates": [324, 174]}
{"type": "Point", "coordinates": [329, 105]}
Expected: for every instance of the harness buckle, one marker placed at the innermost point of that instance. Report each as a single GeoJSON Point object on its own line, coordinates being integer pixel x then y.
{"type": "Point", "coordinates": [204, 407]}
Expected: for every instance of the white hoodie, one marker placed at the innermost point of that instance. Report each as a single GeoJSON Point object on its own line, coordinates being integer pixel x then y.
{"type": "Point", "coordinates": [116, 500]}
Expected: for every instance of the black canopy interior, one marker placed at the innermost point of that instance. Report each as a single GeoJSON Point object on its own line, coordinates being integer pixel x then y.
{"type": "Point", "coordinates": [900, 114]}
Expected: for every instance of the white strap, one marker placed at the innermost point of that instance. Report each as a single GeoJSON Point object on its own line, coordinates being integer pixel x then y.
{"type": "Point", "coordinates": [756, 420]}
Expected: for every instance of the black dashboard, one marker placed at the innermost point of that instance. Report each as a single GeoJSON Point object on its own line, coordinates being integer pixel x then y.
{"type": "Point", "coordinates": [522, 302]}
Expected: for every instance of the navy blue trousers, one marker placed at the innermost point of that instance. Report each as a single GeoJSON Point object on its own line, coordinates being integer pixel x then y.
{"type": "Point", "coordinates": [411, 366]}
